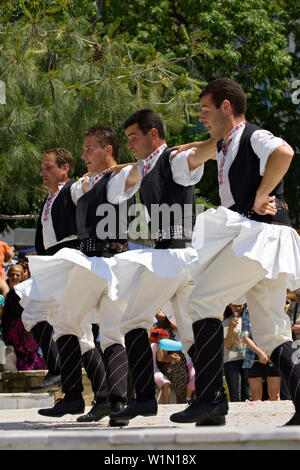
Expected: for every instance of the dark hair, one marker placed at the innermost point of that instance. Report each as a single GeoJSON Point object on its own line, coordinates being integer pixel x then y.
{"type": "Point", "coordinates": [226, 89]}
{"type": "Point", "coordinates": [227, 312]}
{"type": "Point", "coordinates": [146, 119]}
{"type": "Point", "coordinates": [105, 136]}
{"type": "Point", "coordinates": [163, 323]}
{"type": "Point", "coordinates": [62, 157]}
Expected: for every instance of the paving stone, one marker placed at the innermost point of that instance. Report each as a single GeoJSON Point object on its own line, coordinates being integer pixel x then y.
{"type": "Point", "coordinates": [249, 425]}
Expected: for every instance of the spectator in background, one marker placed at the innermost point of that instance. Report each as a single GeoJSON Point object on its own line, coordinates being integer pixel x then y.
{"type": "Point", "coordinates": [12, 261]}
{"type": "Point", "coordinates": [168, 314]}
{"type": "Point", "coordinates": [190, 390]}
{"type": "Point", "coordinates": [25, 266]}
{"type": "Point", "coordinates": [258, 366]}
{"type": "Point", "coordinates": [4, 289]}
{"type": "Point", "coordinates": [161, 381]}
{"type": "Point", "coordinates": [27, 351]}
{"type": "Point", "coordinates": [234, 353]}
{"type": "Point", "coordinates": [6, 255]}
{"type": "Point", "coordinates": [15, 275]}
{"type": "Point", "coordinates": [173, 365]}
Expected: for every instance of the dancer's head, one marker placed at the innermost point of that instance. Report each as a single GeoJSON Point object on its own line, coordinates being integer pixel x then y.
{"type": "Point", "coordinates": [57, 167]}
{"type": "Point", "coordinates": [223, 105]}
{"type": "Point", "coordinates": [100, 148]}
{"type": "Point", "coordinates": [145, 133]}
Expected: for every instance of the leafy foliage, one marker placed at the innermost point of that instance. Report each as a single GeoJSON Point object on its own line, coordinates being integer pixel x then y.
{"type": "Point", "coordinates": [69, 64]}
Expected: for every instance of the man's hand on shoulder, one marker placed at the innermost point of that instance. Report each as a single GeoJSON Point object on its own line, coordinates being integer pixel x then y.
{"type": "Point", "coordinates": [199, 153]}
{"type": "Point", "coordinates": [118, 168]}
{"type": "Point", "coordinates": [182, 148]}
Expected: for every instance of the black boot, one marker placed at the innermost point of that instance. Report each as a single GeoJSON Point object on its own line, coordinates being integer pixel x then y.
{"type": "Point", "coordinates": [49, 384]}
{"type": "Point", "coordinates": [94, 366]}
{"type": "Point", "coordinates": [116, 366]}
{"type": "Point", "coordinates": [140, 360]}
{"type": "Point", "coordinates": [210, 406]}
{"type": "Point", "coordinates": [71, 378]}
{"type": "Point", "coordinates": [72, 403]}
{"type": "Point", "coordinates": [42, 333]}
{"type": "Point", "coordinates": [97, 412]}
{"type": "Point", "coordinates": [286, 360]}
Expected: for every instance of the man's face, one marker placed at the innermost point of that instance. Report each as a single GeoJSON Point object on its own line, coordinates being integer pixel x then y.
{"type": "Point", "coordinates": [93, 154]}
{"type": "Point", "coordinates": [141, 145]}
{"type": "Point", "coordinates": [213, 118]}
{"type": "Point", "coordinates": [51, 173]}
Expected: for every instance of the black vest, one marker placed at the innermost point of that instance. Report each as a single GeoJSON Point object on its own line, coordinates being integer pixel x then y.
{"type": "Point", "coordinates": [245, 178]}
{"type": "Point", "coordinates": [63, 215]}
{"type": "Point", "coordinates": [157, 189]}
{"type": "Point", "coordinates": [99, 221]}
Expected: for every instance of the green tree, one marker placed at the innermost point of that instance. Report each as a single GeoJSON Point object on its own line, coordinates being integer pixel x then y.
{"type": "Point", "coordinates": [232, 38]}
{"type": "Point", "coordinates": [68, 64]}
{"type": "Point", "coordinates": [63, 73]}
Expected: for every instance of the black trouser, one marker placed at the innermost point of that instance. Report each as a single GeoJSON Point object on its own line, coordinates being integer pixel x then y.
{"type": "Point", "coordinates": [42, 333]}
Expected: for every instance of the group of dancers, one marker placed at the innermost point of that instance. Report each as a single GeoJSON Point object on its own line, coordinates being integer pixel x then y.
{"type": "Point", "coordinates": [85, 274]}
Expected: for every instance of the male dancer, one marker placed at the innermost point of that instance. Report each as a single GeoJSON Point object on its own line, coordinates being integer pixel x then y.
{"type": "Point", "coordinates": [242, 252]}
{"type": "Point", "coordinates": [85, 291]}
{"type": "Point", "coordinates": [165, 182]}
{"type": "Point", "coordinates": [56, 228]}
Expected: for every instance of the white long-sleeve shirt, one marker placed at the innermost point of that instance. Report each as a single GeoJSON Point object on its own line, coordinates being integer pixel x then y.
{"type": "Point", "coordinates": [116, 193]}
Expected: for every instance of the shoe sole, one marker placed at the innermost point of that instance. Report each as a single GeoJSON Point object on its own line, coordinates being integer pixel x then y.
{"type": "Point", "coordinates": [128, 417]}
{"type": "Point", "coordinates": [60, 415]}
{"type": "Point", "coordinates": [214, 421]}
{"type": "Point", "coordinates": [113, 423]}
{"type": "Point", "coordinates": [95, 420]}
{"type": "Point", "coordinates": [91, 420]}
{"type": "Point", "coordinates": [293, 422]}
{"type": "Point", "coordinates": [205, 417]}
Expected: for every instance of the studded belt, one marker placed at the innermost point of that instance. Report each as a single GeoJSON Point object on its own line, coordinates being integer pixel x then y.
{"type": "Point", "coordinates": [175, 232]}
{"type": "Point", "coordinates": [96, 247]}
{"type": "Point", "coordinates": [175, 236]}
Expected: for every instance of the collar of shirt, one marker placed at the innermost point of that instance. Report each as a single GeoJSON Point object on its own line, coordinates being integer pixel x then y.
{"type": "Point", "coordinates": [50, 200]}
{"type": "Point", "coordinates": [98, 176]}
{"type": "Point", "coordinates": [225, 146]}
{"type": "Point", "coordinates": [145, 166]}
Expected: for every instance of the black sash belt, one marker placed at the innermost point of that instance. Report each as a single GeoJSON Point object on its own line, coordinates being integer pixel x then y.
{"type": "Point", "coordinates": [68, 244]}
{"type": "Point", "coordinates": [164, 244]}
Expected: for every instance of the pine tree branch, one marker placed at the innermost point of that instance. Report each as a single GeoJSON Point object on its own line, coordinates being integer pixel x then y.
{"type": "Point", "coordinates": [15, 217]}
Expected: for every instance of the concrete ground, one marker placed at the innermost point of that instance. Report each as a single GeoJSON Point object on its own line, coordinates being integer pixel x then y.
{"type": "Point", "coordinates": [249, 425]}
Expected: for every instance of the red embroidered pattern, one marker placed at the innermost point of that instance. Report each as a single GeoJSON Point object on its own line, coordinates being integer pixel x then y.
{"type": "Point", "coordinates": [149, 161]}
{"type": "Point", "coordinates": [49, 202]}
{"type": "Point", "coordinates": [225, 146]}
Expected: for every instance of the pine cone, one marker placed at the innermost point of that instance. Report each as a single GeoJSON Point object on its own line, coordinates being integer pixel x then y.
{"type": "Point", "coordinates": [97, 54]}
